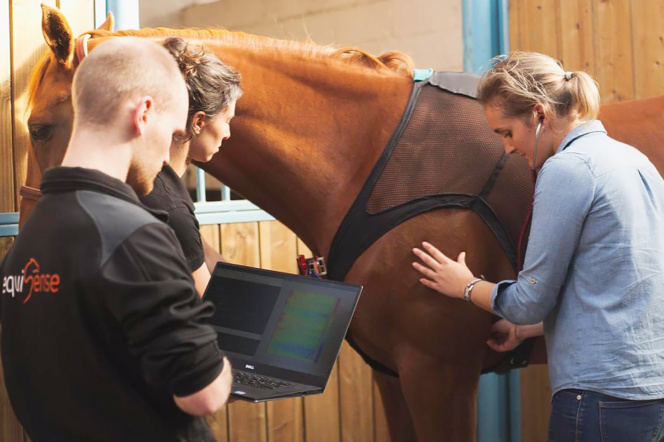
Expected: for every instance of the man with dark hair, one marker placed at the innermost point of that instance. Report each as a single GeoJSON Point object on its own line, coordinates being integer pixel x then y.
{"type": "Point", "coordinates": [101, 325]}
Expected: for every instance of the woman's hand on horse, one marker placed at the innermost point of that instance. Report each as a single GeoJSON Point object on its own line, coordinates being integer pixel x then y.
{"type": "Point", "coordinates": [503, 336]}
{"type": "Point", "coordinates": [441, 273]}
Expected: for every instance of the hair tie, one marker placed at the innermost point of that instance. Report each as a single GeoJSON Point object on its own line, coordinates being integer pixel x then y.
{"type": "Point", "coordinates": [568, 76]}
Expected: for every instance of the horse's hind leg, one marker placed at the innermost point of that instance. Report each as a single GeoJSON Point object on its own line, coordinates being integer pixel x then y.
{"type": "Point", "coordinates": [399, 420]}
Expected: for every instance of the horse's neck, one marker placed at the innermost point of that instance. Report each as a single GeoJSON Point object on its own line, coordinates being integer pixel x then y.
{"type": "Point", "coordinates": [306, 136]}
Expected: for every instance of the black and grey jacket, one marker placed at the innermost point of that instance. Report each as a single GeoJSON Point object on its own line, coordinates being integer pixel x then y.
{"type": "Point", "coordinates": [101, 324]}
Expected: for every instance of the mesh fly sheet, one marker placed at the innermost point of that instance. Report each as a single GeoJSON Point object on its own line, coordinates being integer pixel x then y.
{"type": "Point", "coordinates": [443, 154]}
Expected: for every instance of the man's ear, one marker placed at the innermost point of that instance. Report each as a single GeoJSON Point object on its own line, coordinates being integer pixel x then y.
{"type": "Point", "coordinates": [142, 114]}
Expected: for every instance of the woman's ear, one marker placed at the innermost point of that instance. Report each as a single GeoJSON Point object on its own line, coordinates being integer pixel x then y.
{"type": "Point", "coordinates": [198, 122]}
{"type": "Point", "coordinates": [540, 115]}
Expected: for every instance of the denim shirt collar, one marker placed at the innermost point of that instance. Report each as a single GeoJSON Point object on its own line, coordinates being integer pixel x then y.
{"type": "Point", "coordinates": [579, 131]}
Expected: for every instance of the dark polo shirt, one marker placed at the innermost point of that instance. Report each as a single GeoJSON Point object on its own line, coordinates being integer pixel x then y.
{"type": "Point", "coordinates": [170, 195]}
{"type": "Point", "coordinates": [101, 324]}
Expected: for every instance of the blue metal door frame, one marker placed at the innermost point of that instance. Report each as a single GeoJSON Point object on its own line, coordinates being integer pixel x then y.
{"type": "Point", "coordinates": [485, 35]}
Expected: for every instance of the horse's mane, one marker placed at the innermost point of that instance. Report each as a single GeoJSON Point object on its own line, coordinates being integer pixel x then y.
{"type": "Point", "coordinates": [388, 63]}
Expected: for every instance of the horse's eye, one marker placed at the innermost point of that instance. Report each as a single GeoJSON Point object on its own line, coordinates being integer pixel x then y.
{"type": "Point", "coordinates": [40, 132]}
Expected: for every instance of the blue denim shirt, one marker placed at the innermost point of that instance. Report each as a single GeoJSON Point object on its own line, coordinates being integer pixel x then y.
{"type": "Point", "coordinates": [594, 268]}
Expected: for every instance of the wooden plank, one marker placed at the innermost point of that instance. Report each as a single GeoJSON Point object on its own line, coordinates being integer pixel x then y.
{"type": "Point", "coordinates": [322, 421]}
{"type": "Point", "coordinates": [522, 25]}
{"type": "Point", "coordinates": [212, 235]}
{"type": "Point", "coordinates": [80, 14]}
{"type": "Point", "coordinates": [356, 397]}
{"type": "Point", "coordinates": [380, 418]}
{"type": "Point", "coordinates": [576, 35]}
{"type": "Point", "coordinates": [7, 189]}
{"type": "Point", "coordinates": [546, 31]}
{"type": "Point", "coordinates": [246, 421]}
{"type": "Point", "coordinates": [613, 45]}
{"type": "Point", "coordinates": [218, 422]}
{"type": "Point", "coordinates": [239, 243]}
{"type": "Point", "coordinates": [278, 247]}
{"type": "Point", "coordinates": [648, 27]}
{"type": "Point", "coordinates": [535, 403]}
{"type": "Point", "coordinates": [515, 28]}
{"type": "Point", "coordinates": [537, 27]}
{"type": "Point", "coordinates": [27, 47]}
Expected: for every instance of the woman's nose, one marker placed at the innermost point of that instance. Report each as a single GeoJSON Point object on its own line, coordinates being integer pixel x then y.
{"type": "Point", "coordinates": [509, 148]}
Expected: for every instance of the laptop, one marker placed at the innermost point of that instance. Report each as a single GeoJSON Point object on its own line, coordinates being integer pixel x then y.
{"type": "Point", "coordinates": [281, 332]}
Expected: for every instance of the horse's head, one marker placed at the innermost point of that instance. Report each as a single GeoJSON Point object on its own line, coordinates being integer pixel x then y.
{"type": "Point", "coordinates": [49, 102]}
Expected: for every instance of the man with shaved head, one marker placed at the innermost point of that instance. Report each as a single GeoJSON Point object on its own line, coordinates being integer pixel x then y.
{"type": "Point", "coordinates": [102, 336]}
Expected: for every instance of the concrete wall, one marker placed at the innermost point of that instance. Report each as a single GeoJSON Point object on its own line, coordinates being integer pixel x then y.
{"type": "Point", "coordinates": [430, 31]}
{"type": "Point", "coordinates": [167, 13]}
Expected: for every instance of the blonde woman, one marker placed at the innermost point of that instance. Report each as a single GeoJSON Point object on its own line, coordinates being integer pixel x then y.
{"type": "Point", "coordinates": [594, 268]}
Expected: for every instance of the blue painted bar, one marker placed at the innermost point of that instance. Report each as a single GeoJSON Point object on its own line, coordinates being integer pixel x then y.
{"type": "Point", "coordinates": [225, 193]}
{"type": "Point", "coordinates": [125, 13]}
{"type": "Point", "coordinates": [224, 206]}
{"type": "Point", "coordinates": [8, 224]}
{"type": "Point", "coordinates": [503, 27]}
{"type": "Point", "coordinates": [486, 34]}
{"type": "Point", "coordinates": [200, 185]}
{"type": "Point", "coordinates": [100, 12]}
{"type": "Point", "coordinates": [514, 391]}
{"type": "Point", "coordinates": [226, 212]}
{"type": "Point", "coordinates": [233, 217]}
{"type": "Point", "coordinates": [492, 409]}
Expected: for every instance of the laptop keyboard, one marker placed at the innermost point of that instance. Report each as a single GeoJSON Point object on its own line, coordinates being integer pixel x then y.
{"type": "Point", "coordinates": [257, 381]}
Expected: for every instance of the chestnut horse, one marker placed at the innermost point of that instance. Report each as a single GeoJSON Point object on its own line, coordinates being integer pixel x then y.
{"type": "Point", "coordinates": [307, 133]}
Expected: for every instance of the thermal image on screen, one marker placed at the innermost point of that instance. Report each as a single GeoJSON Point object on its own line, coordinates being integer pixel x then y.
{"type": "Point", "coordinates": [303, 326]}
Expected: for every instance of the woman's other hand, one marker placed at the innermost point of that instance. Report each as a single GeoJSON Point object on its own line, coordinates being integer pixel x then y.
{"type": "Point", "coordinates": [504, 336]}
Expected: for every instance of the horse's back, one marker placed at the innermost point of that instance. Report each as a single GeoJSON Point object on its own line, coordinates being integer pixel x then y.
{"type": "Point", "coordinates": [639, 123]}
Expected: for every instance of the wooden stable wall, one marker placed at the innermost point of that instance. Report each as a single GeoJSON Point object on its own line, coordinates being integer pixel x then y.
{"type": "Point", "coordinates": [621, 44]}
{"type": "Point", "coordinates": [349, 410]}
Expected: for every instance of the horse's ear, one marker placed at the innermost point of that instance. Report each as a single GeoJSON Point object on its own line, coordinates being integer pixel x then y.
{"type": "Point", "coordinates": [57, 34]}
{"type": "Point", "coordinates": [109, 24]}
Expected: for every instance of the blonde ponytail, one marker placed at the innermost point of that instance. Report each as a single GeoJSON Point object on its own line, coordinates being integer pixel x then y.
{"type": "Point", "coordinates": [523, 79]}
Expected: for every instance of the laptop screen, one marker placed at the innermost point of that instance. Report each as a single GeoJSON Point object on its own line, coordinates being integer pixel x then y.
{"type": "Point", "coordinates": [273, 322]}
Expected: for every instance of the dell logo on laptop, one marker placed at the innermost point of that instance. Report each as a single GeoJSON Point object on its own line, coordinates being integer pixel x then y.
{"type": "Point", "coordinates": [249, 366]}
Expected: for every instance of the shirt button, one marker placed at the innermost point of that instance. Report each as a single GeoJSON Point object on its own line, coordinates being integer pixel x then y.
{"type": "Point", "coordinates": [532, 281]}
{"type": "Point", "coordinates": [578, 397]}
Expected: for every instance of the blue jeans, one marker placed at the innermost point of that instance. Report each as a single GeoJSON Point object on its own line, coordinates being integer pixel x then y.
{"type": "Point", "coordinates": [586, 416]}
